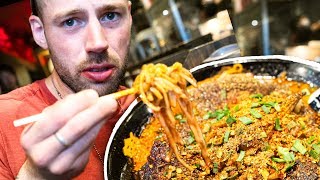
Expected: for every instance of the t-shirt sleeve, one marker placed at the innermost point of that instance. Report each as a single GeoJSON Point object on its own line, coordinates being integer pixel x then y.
{"type": "Point", "coordinates": [7, 113]}
{"type": "Point", "coordinates": [5, 171]}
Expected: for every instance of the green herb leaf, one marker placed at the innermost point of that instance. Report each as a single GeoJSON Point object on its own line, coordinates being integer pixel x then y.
{"type": "Point", "coordinates": [190, 140]}
{"type": "Point", "coordinates": [220, 114]}
{"type": "Point", "coordinates": [226, 136]}
{"type": "Point", "coordinates": [255, 113]}
{"type": "Point", "coordinates": [230, 120]}
{"type": "Point", "coordinates": [236, 108]}
{"type": "Point", "coordinates": [266, 146]}
{"type": "Point", "coordinates": [277, 125]}
{"type": "Point", "coordinates": [258, 96]}
{"type": "Point", "coordinates": [263, 135]}
{"type": "Point", "coordinates": [298, 146]}
{"type": "Point", "coordinates": [289, 157]}
{"type": "Point", "coordinates": [266, 109]}
{"type": "Point", "coordinates": [245, 120]}
{"type": "Point", "coordinates": [255, 105]}
{"type": "Point", "coordinates": [311, 139]}
{"type": "Point", "coordinates": [278, 160]}
{"type": "Point", "coordinates": [241, 156]}
{"type": "Point", "coordinates": [197, 165]}
{"type": "Point", "coordinates": [178, 117]}
{"type": "Point", "coordinates": [215, 168]}
{"type": "Point", "coordinates": [286, 155]}
{"type": "Point", "coordinates": [316, 147]}
{"type": "Point", "coordinates": [314, 154]}
{"type": "Point", "coordinates": [294, 149]}
{"type": "Point", "coordinates": [289, 166]}
{"type": "Point", "coordinates": [277, 107]}
{"type": "Point", "coordinates": [190, 147]}
{"type": "Point", "coordinates": [269, 104]}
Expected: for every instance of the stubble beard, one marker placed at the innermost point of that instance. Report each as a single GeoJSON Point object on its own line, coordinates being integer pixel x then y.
{"type": "Point", "coordinates": [77, 83]}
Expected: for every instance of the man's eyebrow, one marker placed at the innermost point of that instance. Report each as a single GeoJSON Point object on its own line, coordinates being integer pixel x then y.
{"type": "Point", "coordinates": [112, 7]}
{"type": "Point", "coordinates": [108, 7]}
{"type": "Point", "coordinates": [62, 15]}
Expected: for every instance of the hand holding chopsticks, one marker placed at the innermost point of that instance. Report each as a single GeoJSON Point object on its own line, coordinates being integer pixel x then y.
{"type": "Point", "coordinates": [61, 140]}
{"type": "Point", "coordinates": [38, 117]}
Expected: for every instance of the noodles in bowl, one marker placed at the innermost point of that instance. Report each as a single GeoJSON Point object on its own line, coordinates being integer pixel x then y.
{"type": "Point", "coordinates": [245, 120]}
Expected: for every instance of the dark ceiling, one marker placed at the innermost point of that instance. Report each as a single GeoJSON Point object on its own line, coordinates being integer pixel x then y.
{"type": "Point", "coordinates": [8, 2]}
{"type": "Point", "coordinates": [14, 17]}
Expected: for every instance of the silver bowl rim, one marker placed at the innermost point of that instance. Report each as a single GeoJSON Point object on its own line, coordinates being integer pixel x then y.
{"type": "Point", "coordinates": [248, 59]}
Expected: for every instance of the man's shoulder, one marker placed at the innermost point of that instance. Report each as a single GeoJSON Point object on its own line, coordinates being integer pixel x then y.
{"type": "Point", "coordinates": [21, 102]}
{"type": "Point", "coordinates": [18, 96]}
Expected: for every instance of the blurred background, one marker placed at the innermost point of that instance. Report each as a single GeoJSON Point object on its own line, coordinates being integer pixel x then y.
{"type": "Point", "coordinates": [175, 30]}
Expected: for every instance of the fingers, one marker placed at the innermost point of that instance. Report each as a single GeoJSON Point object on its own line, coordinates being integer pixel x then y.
{"type": "Point", "coordinates": [77, 125]}
{"type": "Point", "coordinates": [58, 153]}
{"type": "Point", "coordinates": [67, 158]}
{"type": "Point", "coordinates": [103, 109]}
{"type": "Point", "coordinates": [55, 116]}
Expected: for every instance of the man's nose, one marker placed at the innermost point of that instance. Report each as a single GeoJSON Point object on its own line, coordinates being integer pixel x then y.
{"type": "Point", "coordinates": [96, 37]}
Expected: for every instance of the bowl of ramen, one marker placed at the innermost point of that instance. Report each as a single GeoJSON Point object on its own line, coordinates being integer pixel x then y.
{"type": "Point", "coordinates": [253, 116]}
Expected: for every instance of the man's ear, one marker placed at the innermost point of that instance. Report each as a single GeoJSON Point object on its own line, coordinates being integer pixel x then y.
{"type": "Point", "coordinates": [130, 5]}
{"type": "Point", "coordinates": [38, 31]}
{"type": "Point", "coordinates": [129, 8]}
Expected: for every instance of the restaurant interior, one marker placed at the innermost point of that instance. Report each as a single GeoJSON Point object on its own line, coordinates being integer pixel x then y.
{"type": "Point", "coordinates": [168, 31]}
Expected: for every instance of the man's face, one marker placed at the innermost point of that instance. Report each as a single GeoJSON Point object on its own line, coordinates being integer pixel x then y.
{"type": "Point", "coordinates": [88, 41]}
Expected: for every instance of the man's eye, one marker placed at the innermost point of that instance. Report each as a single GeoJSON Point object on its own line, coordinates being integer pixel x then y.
{"type": "Point", "coordinates": [112, 16]}
{"type": "Point", "coordinates": [69, 22]}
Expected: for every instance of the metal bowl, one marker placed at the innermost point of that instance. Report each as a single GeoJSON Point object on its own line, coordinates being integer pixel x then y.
{"type": "Point", "coordinates": [118, 166]}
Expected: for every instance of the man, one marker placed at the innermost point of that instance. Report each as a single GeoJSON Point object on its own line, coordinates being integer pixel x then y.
{"type": "Point", "coordinates": [88, 41]}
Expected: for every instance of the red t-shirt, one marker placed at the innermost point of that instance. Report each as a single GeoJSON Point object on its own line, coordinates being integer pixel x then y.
{"type": "Point", "coordinates": [30, 100]}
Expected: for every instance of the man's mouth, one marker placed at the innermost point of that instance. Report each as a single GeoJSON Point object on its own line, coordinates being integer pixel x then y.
{"type": "Point", "coordinates": [98, 73]}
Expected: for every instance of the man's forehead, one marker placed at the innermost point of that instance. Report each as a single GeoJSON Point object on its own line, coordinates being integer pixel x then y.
{"type": "Point", "coordinates": [49, 3]}
{"type": "Point", "coordinates": [58, 9]}
{"type": "Point", "coordinates": [77, 1]}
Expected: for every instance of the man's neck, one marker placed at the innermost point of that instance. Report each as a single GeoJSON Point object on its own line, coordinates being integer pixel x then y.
{"type": "Point", "coordinates": [56, 86]}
